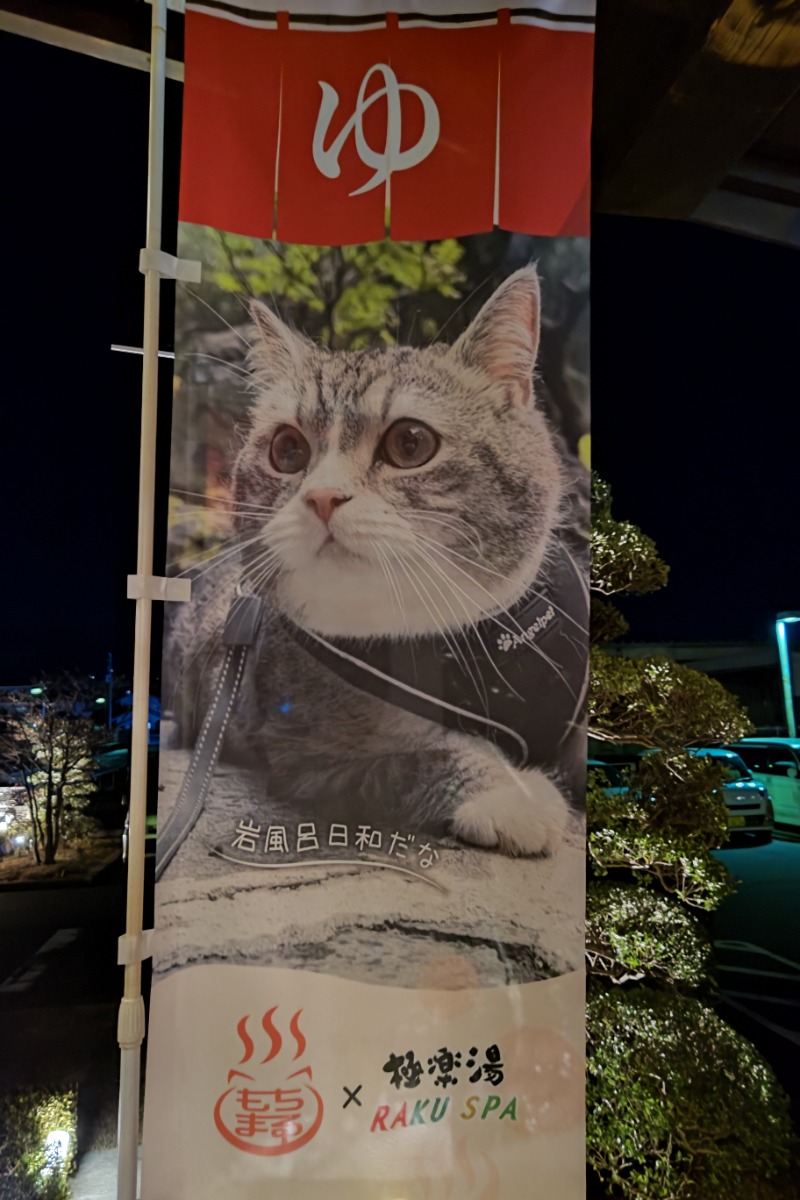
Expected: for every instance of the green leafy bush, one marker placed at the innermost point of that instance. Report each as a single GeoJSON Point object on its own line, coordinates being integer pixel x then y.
{"type": "Point", "coordinates": [623, 558]}
{"type": "Point", "coordinates": [29, 1169]}
{"type": "Point", "coordinates": [662, 827]}
{"type": "Point", "coordinates": [660, 703]}
{"type": "Point", "coordinates": [679, 1106]}
{"type": "Point", "coordinates": [660, 1123]}
{"type": "Point", "coordinates": [637, 933]}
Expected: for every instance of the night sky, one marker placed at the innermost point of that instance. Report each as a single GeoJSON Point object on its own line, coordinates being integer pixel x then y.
{"type": "Point", "coordinates": [695, 384]}
{"type": "Point", "coordinates": [696, 417]}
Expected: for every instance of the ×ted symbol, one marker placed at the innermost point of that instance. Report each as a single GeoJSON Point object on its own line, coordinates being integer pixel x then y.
{"type": "Point", "coordinates": [352, 1095]}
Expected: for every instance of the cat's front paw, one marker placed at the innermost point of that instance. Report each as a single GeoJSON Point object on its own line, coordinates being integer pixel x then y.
{"type": "Point", "coordinates": [526, 815]}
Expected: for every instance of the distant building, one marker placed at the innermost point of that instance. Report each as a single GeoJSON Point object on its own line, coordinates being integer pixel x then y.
{"type": "Point", "coordinates": [10, 693]}
{"type": "Point", "coordinates": [750, 670]}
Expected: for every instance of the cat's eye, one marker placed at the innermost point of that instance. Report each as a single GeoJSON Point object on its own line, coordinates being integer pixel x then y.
{"type": "Point", "coordinates": [289, 451]}
{"type": "Point", "coordinates": [408, 443]}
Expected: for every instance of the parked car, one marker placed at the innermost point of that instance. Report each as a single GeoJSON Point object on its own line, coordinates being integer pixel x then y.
{"type": "Point", "coordinates": [149, 834]}
{"type": "Point", "coordinates": [748, 800]}
{"type": "Point", "coordinates": [775, 762]}
{"type": "Point", "coordinates": [750, 814]}
{"type": "Point", "coordinates": [613, 775]}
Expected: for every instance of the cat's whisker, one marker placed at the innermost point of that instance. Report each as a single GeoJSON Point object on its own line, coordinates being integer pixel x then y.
{"type": "Point", "coordinates": [445, 551]}
{"type": "Point", "coordinates": [582, 577]}
{"type": "Point", "coordinates": [182, 493]}
{"type": "Point", "coordinates": [499, 608]}
{"type": "Point", "coordinates": [216, 358]}
{"type": "Point", "coordinates": [258, 583]}
{"type": "Point", "coordinates": [196, 570]}
{"type": "Point", "coordinates": [245, 516]}
{"type": "Point", "coordinates": [271, 548]}
{"type": "Point", "coordinates": [445, 514]}
{"type": "Point", "coordinates": [255, 573]}
{"type": "Point", "coordinates": [480, 686]}
{"type": "Point", "coordinates": [208, 555]}
{"type": "Point", "coordinates": [403, 607]}
{"type": "Point", "coordinates": [404, 569]}
{"type": "Point", "coordinates": [466, 602]}
{"type": "Point", "coordinates": [458, 309]}
{"type": "Point", "coordinates": [434, 615]}
{"type": "Point", "coordinates": [249, 506]}
{"type": "Point", "coordinates": [437, 617]}
{"type": "Point", "coordinates": [219, 503]}
{"type": "Point", "coordinates": [442, 513]}
{"type": "Point", "coordinates": [391, 583]}
{"type": "Point", "coordinates": [481, 566]}
{"type": "Point", "coordinates": [470, 622]}
{"type": "Point", "coordinates": [472, 537]}
{"type": "Point", "coordinates": [490, 571]}
{"type": "Point", "coordinates": [265, 554]}
{"type": "Point", "coordinates": [257, 510]}
{"type": "Point", "coordinates": [259, 573]}
{"type": "Point", "coordinates": [211, 309]}
{"type": "Point", "coordinates": [225, 553]}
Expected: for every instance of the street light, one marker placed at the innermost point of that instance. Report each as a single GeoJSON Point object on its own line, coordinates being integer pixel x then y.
{"type": "Point", "coordinates": [781, 621]}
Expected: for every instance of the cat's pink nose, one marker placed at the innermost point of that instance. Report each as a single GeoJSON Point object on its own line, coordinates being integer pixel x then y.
{"type": "Point", "coordinates": [325, 501]}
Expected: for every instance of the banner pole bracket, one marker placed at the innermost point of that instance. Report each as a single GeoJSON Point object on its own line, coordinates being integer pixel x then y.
{"type": "Point", "coordinates": [167, 266]}
{"type": "Point", "coordinates": [158, 587]}
{"type": "Point", "coordinates": [133, 948]}
{"type": "Point", "coordinates": [178, 6]}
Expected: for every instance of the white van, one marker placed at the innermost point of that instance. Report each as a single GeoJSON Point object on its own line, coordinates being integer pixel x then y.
{"type": "Point", "coordinates": [775, 762]}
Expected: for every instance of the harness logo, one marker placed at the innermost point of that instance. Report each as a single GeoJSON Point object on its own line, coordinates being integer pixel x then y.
{"type": "Point", "coordinates": [392, 157]}
{"type": "Point", "coordinates": [511, 641]}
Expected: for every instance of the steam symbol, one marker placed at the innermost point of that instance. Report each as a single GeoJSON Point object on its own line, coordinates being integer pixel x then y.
{"type": "Point", "coordinates": [276, 1041]}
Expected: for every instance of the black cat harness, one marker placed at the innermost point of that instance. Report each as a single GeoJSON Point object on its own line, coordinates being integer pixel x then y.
{"type": "Point", "coordinates": [517, 678]}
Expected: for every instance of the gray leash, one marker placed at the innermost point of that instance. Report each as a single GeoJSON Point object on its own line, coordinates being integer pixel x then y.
{"type": "Point", "coordinates": [239, 635]}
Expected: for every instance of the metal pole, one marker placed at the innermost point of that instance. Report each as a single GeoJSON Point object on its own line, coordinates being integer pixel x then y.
{"type": "Point", "coordinates": [131, 1024]}
{"type": "Point", "coordinates": [786, 676]}
{"type": "Point", "coordinates": [83, 43]}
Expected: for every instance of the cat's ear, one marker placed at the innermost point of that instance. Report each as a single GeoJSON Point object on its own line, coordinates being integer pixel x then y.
{"type": "Point", "coordinates": [278, 351]}
{"type": "Point", "coordinates": [503, 339]}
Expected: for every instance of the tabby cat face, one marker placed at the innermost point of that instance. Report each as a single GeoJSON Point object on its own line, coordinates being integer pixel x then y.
{"type": "Point", "coordinates": [398, 491]}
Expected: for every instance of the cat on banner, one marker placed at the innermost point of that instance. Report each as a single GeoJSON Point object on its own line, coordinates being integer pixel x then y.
{"type": "Point", "coordinates": [368, 956]}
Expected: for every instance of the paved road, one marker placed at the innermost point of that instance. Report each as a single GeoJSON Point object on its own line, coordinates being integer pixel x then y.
{"type": "Point", "coordinates": [29, 920]}
{"type": "Point", "coordinates": [62, 942]}
{"type": "Point", "coordinates": [757, 937]}
{"type": "Point", "coordinates": [60, 985]}
{"type": "Point", "coordinates": [59, 993]}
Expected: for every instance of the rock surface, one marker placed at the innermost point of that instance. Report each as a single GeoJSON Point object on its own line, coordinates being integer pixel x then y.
{"type": "Point", "coordinates": [472, 918]}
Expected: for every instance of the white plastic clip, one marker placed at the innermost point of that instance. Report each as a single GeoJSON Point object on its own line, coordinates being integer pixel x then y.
{"type": "Point", "coordinates": [188, 270]}
{"type": "Point", "coordinates": [133, 948]}
{"type": "Point", "coordinates": [157, 587]}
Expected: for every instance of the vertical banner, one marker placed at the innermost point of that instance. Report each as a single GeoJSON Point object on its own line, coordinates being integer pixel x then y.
{"type": "Point", "coordinates": [368, 964]}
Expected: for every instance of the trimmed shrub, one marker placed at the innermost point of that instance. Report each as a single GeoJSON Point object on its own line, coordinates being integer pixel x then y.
{"type": "Point", "coordinates": [638, 933]}
{"type": "Point", "coordinates": [30, 1169]}
{"type": "Point", "coordinates": [659, 1123]}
